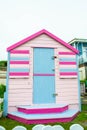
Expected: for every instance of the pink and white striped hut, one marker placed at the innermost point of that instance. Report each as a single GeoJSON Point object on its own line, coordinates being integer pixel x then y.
{"type": "Point", "coordinates": [42, 80]}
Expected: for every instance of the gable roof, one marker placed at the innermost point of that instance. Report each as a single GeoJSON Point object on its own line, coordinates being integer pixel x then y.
{"type": "Point", "coordinates": [43, 31]}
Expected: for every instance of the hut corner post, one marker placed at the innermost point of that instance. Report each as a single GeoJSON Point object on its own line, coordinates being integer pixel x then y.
{"type": "Point", "coordinates": [5, 107]}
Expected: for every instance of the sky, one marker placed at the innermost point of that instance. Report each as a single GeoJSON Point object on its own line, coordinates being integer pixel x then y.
{"type": "Point", "coordinates": [19, 19]}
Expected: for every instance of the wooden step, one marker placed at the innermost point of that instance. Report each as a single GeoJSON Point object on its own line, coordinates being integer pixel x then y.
{"type": "Point", "coordinates": [42, 109]}
{"type": "Point", "coordinates": [65, 116]}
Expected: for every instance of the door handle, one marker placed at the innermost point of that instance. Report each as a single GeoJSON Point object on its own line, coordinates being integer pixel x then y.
{"type": "Point", "coordinates": [55, 94]}
{"type": "Point", "coordinates": [54, 57]}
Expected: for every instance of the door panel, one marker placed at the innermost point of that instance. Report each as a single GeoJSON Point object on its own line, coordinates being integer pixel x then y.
{"type": "Point", "coordinates": [44, 77]}
{"type": "Point", "coordinates": [43, 89]}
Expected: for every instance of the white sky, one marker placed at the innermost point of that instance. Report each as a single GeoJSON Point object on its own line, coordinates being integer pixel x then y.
{"type": "Point", "coordinates": [66, 19]}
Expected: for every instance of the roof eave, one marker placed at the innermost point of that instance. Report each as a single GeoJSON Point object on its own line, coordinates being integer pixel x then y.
{"type": "Point", "coordinates": [25, 40]}
{"type": "Point", "coordinates": [43, 31]}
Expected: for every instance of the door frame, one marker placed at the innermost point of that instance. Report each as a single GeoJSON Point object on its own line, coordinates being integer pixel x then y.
{"type": "Point", "coordinates": [54, 72]}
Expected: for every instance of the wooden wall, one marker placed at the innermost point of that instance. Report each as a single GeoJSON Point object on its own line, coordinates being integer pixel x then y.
{"type": "Point", "coordinates": [20, 90]}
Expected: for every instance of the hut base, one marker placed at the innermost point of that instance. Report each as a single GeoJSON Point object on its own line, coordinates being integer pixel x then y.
{"type": "Point", "coordinates": [38, 114]}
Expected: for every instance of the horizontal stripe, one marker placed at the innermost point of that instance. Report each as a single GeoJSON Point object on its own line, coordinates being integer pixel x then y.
{"type": "Point", "coordinates": [67, 56]}
{"type": "Point", "coordinates": [20, 51]}
{"type": "Point", "coordinates": [19, 62]}
{"type": "Point", "coordinates": [67, 59]}
{"type": "Point", "coordinates": [68, 70]}
{"type": "Point", "coordinates": [19, 74]}
{"type": "Point", "coordinates": [19, 55]}
{"type": "Point", "coordinates": [67, 53]}
{"type": "Point", "coordinates": [43, 74]}
{"type": "Point", "coordinates": [19, 69]}
{"type": "Point", "coordinates": [19, 66]}
{"type": "Point", "coordinates": [67, 63]}
{"type": "Point", "coordinates": [19, 58]}
{"type": "Point", "coordinates": [68, 73]}
{"type": "Point", "coordinates": [18, 77]}
{"type": "Point", "coordinates": [68, 77]}
{"type": "Point", "coordinates": [67, 66]}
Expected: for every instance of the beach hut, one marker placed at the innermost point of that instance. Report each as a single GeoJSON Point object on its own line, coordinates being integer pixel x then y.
{"type": "Point", "coordinates": [42, 80]}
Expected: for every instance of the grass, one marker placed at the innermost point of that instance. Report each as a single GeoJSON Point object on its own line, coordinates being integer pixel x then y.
{"type": "Point", "coordinates": [80, 119]}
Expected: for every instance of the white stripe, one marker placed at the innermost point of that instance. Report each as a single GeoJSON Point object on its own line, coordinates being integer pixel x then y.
{"type": "Point", "coordinates": [19, 66]}
{"type": "Point", "coordinates": [68, 76]}
{"type": "Point", "coordinates": [16, 77]}
{"type": "Point", "coordinates": [19, 55]}
{"type": "Point", "coordinates": [66, 56]}
{"type": "Point", "coordinates": [67, 66]}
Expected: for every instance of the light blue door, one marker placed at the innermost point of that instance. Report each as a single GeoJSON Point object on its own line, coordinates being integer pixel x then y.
{"type": "Point", "coordinates": [44, 76]}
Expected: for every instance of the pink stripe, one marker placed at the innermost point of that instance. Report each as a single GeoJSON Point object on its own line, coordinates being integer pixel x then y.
{"type": "Point", "coordinates": [44, 74]}
{"type": "Point", "coordinates": [68, 73]}
{"type": "Point", "coordinates": [18, 74]}
{"type": "Point", "coordinates": [67, 63]}
{"type": "Point", "coordinates": [20, 51]}
{"type": "Point", "coordinates": [43, 110]}
{"type": "Point", "coordinates": [66, 53]}
{"type": "Point", "coordinates": [19, 62]}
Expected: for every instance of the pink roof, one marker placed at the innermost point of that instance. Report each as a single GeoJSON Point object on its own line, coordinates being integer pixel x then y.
{"type": "Point", "coordinates": [39, 33]}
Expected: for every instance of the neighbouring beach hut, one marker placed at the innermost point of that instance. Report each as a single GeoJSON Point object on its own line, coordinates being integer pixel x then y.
{"type": "Point", "coordinates": [42, 80]}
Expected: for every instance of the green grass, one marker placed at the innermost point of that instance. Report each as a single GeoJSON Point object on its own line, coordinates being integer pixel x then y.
{"type": "Point", "coordinates": [80, 119]}
{"type": "Point", "coordinates": [84, 107]}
